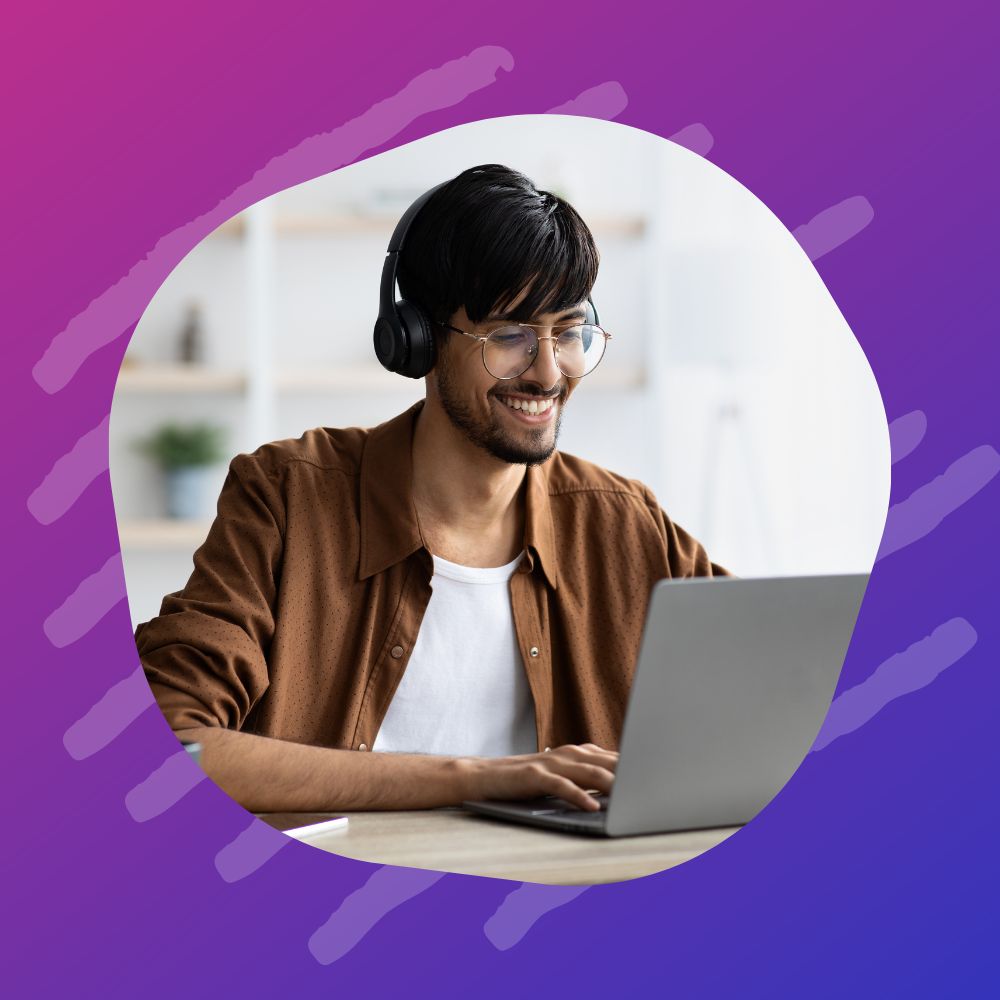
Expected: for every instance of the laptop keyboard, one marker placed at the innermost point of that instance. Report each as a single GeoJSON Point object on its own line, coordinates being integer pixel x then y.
{"type": "Point", "coordinates": [549, 812]}
{"type": "Point", "coordinates": [557, 807]}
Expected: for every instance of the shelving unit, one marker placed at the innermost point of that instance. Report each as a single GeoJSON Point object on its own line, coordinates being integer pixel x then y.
{"type": "Point", "coordinates": [162, 533]}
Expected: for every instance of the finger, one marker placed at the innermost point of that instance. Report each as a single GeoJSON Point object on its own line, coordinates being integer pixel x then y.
{"type": "Point", "coordinates": [587, 753]}
{"type": "Point", "coordinates": [586, 775]}
{"type": "Point", "coordinates": [563, 788]}
{"type": "Point", "coordinates": [602, 751]}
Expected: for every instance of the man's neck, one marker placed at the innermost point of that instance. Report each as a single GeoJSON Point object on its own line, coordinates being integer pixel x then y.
{"type": "Point", "coordinates": [469, 504]}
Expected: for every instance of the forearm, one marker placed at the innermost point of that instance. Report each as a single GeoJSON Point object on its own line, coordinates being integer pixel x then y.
{"type": "Point", "coordinates": [268, 775]}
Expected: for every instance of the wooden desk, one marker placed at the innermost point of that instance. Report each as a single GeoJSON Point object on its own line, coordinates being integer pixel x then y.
{"type": "Point", "coordinates": [456, 841]}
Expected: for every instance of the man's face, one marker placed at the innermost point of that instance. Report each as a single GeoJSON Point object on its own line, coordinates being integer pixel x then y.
{"type": "Point", "coordinates": [496, 414]}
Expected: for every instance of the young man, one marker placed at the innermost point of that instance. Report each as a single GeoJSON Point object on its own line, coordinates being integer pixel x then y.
{"type": "Point", "coordinates": [442, 608]}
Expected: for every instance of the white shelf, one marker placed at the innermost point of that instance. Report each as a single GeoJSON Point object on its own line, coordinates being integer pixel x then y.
{"type": "Point", "coordinates": [346, 224]}
{"type": "Point", "coordinates": [163, 534]}
{"type": "Point", "coordinates": [179, 378]}
{"type": "Point", "coordinates": [614, 377]}
{"type": "Point", "coordinates": [357, 378]}
{"type": "Point", "coordinates": [363, 377]}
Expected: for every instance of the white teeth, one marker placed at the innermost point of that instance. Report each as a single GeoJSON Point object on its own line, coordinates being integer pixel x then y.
{"type": "Point", "coordinates": [529, 406]}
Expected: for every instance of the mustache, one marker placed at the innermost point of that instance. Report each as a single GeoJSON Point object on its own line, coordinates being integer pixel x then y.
{"type": "Point", "coordinates": [531, 390]}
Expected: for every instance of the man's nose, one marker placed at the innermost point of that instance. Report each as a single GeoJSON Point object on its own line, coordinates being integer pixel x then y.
{"type": "Point", "coordinates": [543, 369]}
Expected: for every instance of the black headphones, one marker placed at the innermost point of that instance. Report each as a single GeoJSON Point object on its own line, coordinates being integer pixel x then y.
{"type": "Point", "coordinates": [404, 341]}
{"type": "Point", "coordinates": [404, 337]}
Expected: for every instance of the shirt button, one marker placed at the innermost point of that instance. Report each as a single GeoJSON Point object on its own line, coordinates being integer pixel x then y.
{"type": "Point", "coordinates": [533, 651]}
{"type": "Point", "coordinates": [362, 746]}
{"type": "Point", "coordinates": [396, 652]}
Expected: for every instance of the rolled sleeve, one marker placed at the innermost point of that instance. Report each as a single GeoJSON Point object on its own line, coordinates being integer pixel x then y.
{"type": "Point", "coordinates": [206, 654]}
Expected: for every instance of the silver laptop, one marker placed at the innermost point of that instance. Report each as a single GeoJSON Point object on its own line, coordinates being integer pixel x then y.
{"type": "Point", "coordinates": [734, 680]}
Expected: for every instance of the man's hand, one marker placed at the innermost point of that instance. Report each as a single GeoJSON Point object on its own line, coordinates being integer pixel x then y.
{"type": "Point", "coordinates": [269, 775]}
{"type": "Point", "coordinates": [567, 772]}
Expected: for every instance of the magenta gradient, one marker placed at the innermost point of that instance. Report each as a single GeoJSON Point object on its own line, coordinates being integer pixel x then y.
{"type": "Point", "coordinates": [874, 872]}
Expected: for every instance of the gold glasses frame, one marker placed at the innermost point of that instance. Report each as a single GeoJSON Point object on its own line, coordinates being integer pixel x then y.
{"type": "Point", "coordinates": [483, 338]}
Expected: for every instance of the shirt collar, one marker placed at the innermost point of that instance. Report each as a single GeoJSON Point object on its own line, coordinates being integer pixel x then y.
{"type": "Point", "coordinates": [389, 528]}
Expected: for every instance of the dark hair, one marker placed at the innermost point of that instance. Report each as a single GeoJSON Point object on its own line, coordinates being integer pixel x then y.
{"type": "Point", "coordinates": [488, 235]}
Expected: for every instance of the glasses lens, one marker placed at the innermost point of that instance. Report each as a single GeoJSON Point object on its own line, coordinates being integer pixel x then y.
{"type": "Point", "coordinates": [511, 350]}
{"type": "Point", "coordinates": [579, 350]}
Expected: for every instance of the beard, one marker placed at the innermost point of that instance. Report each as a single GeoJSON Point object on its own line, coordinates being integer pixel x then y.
{"type": "Point", "coordinates": [530, 446]}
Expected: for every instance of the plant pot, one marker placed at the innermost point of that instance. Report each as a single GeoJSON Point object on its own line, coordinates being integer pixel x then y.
{"type": "Point", "coordinates": [185, 490]}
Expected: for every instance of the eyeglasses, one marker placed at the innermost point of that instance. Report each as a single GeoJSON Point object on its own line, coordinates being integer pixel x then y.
{"type": "Point", "coordinates": [509, 351]}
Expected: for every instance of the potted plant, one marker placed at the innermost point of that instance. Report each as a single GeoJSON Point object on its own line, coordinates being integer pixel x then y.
{"type": "Point", "coordinates": [183, 452]}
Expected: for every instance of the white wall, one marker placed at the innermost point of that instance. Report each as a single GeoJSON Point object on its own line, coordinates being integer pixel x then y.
{"type": "Point", "coordinates": [759, 427]}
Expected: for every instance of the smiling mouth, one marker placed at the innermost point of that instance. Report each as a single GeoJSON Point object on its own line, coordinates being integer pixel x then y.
{"type": "Point", "coordinates": [527, 406]}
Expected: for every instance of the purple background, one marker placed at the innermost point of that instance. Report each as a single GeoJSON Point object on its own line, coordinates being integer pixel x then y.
{"type": "Point", "coordinates": [874, 872]}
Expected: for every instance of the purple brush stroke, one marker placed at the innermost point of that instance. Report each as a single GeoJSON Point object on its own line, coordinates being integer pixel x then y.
{"type": "Point", "coordinates": [901, 674]}
{"type": "Point", "coordinates": [606, 100]}
{"type": "Point", "coordinates": [88, 604]}
{"type": "Point", "coordinates": [519, 911]}
{"type": "Point", "coordinates": [695, 137]}
{"type": "Point", "coordinates": [834, 225]}
{"type": "Point", "coordinates": [387, 888]}
{"type": "Point", "coordinates": [905, 433]}
{"type": "Point", "coordinates": [923, 510]}
{"type": "Point", "coordinates": [116, 309]}
{"type": "Point", "coordinates": [71, 475]}
{"type": "Point", "coordinates": [252, 849]}
{"type": "Point", "coordinates": [164, 788]}
{"type": "Point", "coordinates": [119, 708]}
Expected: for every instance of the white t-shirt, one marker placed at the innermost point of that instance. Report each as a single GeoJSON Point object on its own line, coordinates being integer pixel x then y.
{"type": "Point", "coordinates": [464, 691]}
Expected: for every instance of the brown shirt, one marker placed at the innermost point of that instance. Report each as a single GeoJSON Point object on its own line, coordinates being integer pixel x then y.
{"type": "Point", "coordinates": [307, 596]}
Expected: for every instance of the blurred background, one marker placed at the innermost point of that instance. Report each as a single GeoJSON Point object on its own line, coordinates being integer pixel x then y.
{"type": "Point", "coordinates": [733, 386]}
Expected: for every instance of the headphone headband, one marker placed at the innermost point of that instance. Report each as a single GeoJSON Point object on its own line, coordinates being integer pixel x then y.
{"type": "Point", "coordinates": [387, 287]}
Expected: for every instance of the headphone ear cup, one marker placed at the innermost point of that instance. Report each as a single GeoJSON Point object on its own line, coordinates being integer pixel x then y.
{"type": "Point", "coordinates": [416, 330]}
{"type": "Point", "coordinates": [390, 343]}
